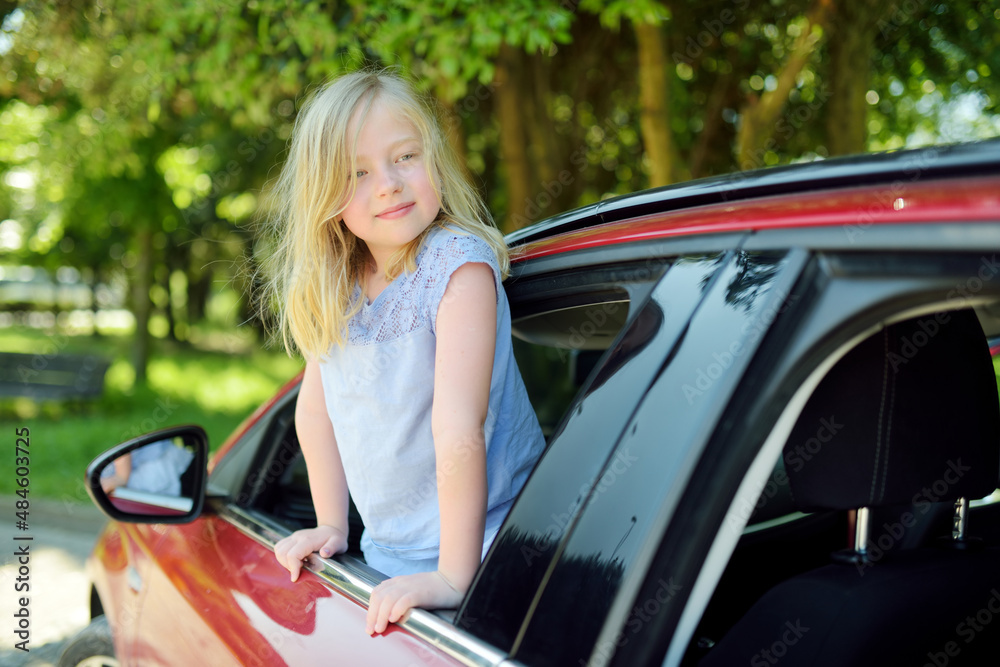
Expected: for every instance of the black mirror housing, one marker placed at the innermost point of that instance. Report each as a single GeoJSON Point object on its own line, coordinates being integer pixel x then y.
{"type": "Point", "coordinates": [158, 477]}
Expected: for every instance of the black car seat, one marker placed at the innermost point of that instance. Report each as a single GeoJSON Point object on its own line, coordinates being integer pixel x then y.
{"type": "Point", "coordinates": [915, 421]}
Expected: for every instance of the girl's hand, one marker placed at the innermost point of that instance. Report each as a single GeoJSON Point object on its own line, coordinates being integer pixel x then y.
{"type": "Point", "coordinates": [394, 597]}
{"type": "Point", "coordinates": [292, 550]}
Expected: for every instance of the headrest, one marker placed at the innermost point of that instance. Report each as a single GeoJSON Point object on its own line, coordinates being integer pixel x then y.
{"type": "Point", "coordinates": [909, 415]}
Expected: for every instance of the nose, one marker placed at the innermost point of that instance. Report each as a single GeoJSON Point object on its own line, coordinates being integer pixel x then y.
{"type": "Point", "coordinates": [389, 181]}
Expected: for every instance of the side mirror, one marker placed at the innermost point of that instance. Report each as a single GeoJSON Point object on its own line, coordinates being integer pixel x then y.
{"type": "Point", "coordinates": [155, 478]}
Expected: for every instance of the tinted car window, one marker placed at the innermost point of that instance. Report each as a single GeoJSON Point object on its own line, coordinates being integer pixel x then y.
{"type": "Point", "coordinates": [582, 442]}
{"type": "Point", "coordinates": [643, 473]}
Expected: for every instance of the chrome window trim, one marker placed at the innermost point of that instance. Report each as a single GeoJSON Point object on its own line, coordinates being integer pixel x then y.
{"type": "Point", "coordinates": [355, 580]}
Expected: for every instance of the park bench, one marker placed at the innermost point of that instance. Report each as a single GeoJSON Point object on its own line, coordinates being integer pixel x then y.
{"type": "Point", "coordinates": [49, 377]}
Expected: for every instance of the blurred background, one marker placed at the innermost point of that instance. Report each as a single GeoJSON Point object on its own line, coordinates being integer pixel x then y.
{"type": "Point", "coordinates": [136, 139]}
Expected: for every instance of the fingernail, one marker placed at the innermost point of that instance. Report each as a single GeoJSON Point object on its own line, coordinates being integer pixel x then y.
{"type": "Point", "coordinates": [325, 553]}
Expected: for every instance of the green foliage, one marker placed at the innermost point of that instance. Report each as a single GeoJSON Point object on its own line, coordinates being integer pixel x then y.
{"type": "Point", "coordinates": [119, 117]}
{"type": "Point", "coordinates": [216, 390]}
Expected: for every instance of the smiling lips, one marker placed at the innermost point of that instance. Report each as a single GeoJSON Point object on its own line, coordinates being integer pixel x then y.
{"type": "Point", "coordinates": [396, 211]}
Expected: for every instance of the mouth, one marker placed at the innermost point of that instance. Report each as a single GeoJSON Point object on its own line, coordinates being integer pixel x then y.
{"type": "Point", "coordinates": [396, 211]}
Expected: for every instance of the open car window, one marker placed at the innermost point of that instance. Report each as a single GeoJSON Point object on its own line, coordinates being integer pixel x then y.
{"type": "Point", "coordinates": [916, 374]}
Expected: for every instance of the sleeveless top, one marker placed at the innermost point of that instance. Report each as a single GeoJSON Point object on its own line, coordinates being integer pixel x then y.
{"type": "Point", "coordinates": [379, 388]}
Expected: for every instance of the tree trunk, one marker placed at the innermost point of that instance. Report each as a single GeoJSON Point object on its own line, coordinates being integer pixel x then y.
{"type": "Point", "coordinates": [141, 305]}
{"type": "Point", "coordinates": [551, 193]}
{"type": "Point", "coordinates": [654, 104]}
{"type": "Point", "coordinates": [714, 144]}
{"type": "Point", "coordinates": [852, 32]}
{"type": "Point", "coordinates": [513, 139]}
{"type": "Point", "coordinates": [451, 123]}
{"type": "Point", "coordinates": [95, 309]}
{"type": "Point", "coordinates": [168, 309]}
{"type": "Point", "coordinates": [759, 115]}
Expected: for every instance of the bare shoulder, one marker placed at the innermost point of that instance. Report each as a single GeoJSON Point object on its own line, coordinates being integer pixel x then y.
{"type": "Point", "coordinates": [470, 283]}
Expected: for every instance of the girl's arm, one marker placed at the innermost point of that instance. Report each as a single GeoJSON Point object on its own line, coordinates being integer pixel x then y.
{"type": "Point", "coordinates": [466, 341]}
{"type": "Point", "coordinates": [327, 482]}
{"type": "Point", "coordinates": [123, 470]}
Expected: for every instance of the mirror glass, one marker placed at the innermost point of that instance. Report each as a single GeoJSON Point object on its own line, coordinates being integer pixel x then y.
{"type": "Point", "coordinates": [155, 479]}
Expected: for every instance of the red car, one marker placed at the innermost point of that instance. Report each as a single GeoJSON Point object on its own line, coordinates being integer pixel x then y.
{"type": "Point", "coordinates": [773, 436]}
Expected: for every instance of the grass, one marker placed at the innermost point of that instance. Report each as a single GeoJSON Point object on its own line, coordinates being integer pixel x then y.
{"type": "Point", "coordinates": [215, 385]}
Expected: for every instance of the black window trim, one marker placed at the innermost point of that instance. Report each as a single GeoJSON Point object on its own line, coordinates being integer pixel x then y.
{"type": "Point", "coordinates": [756, 477]}
{"type": "Point", "coordinates": [896, 298]}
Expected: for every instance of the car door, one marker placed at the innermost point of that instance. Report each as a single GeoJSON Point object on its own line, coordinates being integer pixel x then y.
{"type": "Point", "coordinates": [586, 526]}
{"type": "Point", "coordinates": [836, 297]}
{"type": "Point", "coordinates": [215, 594]}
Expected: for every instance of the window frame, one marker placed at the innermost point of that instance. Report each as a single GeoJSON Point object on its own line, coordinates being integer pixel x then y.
{"type": "Point", "coordinates": [845, 296]}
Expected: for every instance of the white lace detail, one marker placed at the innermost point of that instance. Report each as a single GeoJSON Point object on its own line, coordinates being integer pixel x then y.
{"type": "Point", "coordinates": [410, 302]}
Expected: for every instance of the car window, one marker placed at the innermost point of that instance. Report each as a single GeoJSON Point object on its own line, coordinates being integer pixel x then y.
{"type": "Point", "coordinates": [556, 350]}
{"type": "Point", "coordinates": [564, 321]}
{"type": "Point", "coordinates": [230, 475]}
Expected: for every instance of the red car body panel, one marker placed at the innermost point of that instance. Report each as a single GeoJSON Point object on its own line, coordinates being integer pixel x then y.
{"type": "Point", "coordinates": [855, 209]}
{"type": "Point", "coordinates": [248, 611]}
{"type": "Point", "coordinates": [123, 551]}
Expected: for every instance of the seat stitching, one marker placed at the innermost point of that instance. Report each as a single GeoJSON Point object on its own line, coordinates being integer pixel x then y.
{"type": "Point", "coordinates": [881, 410]}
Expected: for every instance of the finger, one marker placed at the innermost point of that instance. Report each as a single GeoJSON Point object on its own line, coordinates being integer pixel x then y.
{"type": "Point", "coordinates": [293, 559]}
{"type": "Point", "coordinates": [400, 608]}
{"type": "Point", "coordinates": [372, 616]}
{"type": "Point", "coordinates": [294, 568]}
{"type": "Point", "coordinates": [281, 552]}
{"type": "Point", "coordinates": [385, 608]}
{"type": "Point", "coordinates": [329, 548]}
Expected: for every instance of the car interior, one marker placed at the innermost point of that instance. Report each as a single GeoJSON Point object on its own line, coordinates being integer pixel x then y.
{"type": "Point", "coordinates": [863, 548]}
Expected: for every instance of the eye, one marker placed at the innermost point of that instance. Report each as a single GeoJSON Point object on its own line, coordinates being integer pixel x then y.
{"type": "Point", "coordinates": [358, 174]}
{"type": "Point", "coordinates": [406, 156]}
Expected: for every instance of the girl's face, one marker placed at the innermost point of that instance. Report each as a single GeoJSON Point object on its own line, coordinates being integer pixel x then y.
{"type": "Point", "coordinates": [395, 199]}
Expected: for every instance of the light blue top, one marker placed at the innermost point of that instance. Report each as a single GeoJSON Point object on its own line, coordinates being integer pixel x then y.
{"type": "Point", "coordinates": [379, 389]}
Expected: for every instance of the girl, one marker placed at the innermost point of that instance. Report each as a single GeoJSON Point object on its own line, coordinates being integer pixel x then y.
{"type": "Point", "coordinates": [388, 275]}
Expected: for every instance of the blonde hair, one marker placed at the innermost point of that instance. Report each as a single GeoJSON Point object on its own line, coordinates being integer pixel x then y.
{"type": "Point", "coordinates": [312, 261]}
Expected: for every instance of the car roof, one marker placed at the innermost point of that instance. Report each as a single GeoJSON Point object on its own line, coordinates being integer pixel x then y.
{"type": "Point", "coordinates": [802, 188]}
